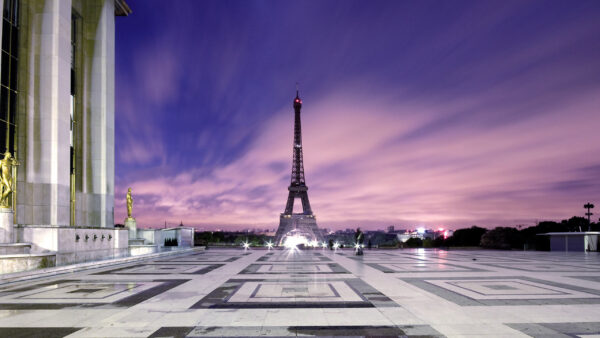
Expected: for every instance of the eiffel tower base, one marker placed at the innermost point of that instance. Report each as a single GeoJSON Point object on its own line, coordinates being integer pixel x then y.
{"type": "Point", "coordinates": [304, 225]}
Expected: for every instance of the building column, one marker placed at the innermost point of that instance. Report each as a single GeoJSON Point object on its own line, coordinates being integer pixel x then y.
{"type": "Point", "coordinates": [100, 45]}
{"type": "Point", "coordinates": [47, 121]}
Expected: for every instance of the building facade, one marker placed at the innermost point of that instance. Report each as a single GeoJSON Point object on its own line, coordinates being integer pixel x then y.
{"type": "Point", "coordinates": [57, 109]}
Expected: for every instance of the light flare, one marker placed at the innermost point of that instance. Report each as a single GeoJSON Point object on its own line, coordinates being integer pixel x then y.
{"type": "Point", "coordinates": [292, 242]}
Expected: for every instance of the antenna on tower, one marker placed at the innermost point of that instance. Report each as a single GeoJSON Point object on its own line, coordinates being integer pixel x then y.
{"type": "Point", "coordinates": [296, 88]}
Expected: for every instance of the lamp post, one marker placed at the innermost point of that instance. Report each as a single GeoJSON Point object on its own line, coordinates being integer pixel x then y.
{"type": "Point", "coordinates": [588, 206]}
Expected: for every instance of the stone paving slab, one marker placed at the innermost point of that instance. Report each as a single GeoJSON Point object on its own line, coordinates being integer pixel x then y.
{"type": "Point", "coordinates": [236, 292]}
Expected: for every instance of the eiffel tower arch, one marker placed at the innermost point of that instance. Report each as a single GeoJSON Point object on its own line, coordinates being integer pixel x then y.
{"type": "Point", "coordinates": [305, 223]}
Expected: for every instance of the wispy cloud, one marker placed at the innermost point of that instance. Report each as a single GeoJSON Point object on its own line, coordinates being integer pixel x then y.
{"type": "Point", "coordinates": [361, 169]}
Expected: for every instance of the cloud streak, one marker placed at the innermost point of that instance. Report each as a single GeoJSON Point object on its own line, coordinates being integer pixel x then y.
{"type": "Point", "coordinates": [358, 172]}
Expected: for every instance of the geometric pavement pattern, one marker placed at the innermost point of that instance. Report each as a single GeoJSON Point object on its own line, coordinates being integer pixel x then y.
{"type": "Point", "coordinates": [236, 292]}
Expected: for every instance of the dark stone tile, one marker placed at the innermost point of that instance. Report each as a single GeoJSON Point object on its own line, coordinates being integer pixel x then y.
{"type": "Point", "coordinates": [467, 301]}
{"type": "Point", "coordinates": [172, 331]}
{"type": "Point", "coordinates": [219, 298]}
{"type": "Point", "coordinates": [201, 271]}
{"type": "Point", "coordinates": [335, 269]}
{"type": "Point", "coordinates": [46, 332]}
{"type": "Point", "coordinates": [166, 284]}
{"type": "Point", "coordinates": [557, 330]}
{"type": "Point", "coordinates": [590, 278]}
{"type": "Point", "coordinates": [575, 329]}
{"type": "Point", "coordinates": [321, 331]}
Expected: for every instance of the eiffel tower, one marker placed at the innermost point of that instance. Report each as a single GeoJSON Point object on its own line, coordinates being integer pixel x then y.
{"type": "Point", "coordinates": [305, 223]}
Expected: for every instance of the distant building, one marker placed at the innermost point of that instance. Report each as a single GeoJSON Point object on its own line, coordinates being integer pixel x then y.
{"type": "Point", "coordinates": [573, 241]}
{"type": "Point", "coordinates": [422, 233]}
{"type": "Point", "coordinates": [390, 229]}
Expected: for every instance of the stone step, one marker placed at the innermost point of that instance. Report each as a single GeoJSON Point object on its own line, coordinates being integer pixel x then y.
{"type": "Point", "coordinates": [14, 248]}
{"type": "Point", "coordinates": [137, 241]}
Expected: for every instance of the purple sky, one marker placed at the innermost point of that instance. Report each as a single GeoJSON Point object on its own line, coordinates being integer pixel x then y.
{"type": "Point", "coordinates": [429, 113]}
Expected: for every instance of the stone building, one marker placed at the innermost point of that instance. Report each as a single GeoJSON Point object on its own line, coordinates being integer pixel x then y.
{"type": "Point", "coordinates": [57, 108]}
{"type": "Point", "coordinates": [57, 114]}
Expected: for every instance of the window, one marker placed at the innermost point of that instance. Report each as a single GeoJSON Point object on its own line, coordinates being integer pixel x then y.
{"type": "Point", "coordinates": [9, 79]}
{"type": "Point", "coordinates": [75, 21]}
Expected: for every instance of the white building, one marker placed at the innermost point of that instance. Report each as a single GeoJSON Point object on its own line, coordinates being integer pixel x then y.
{"type": "Point", "coordinates": [57, 117]}
{"type": "Point", "coordinates": [573, 241]}
{"type": "Point", "coordinates": [57, 110]}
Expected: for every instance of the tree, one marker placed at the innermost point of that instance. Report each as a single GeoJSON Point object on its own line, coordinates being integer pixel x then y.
{"type": "Point", "coordinates": [467, 237]}
{"type": "Point", "coordinates": [439, 242]}
{"type": "Point", "coordinates": [502, 238]}
{"type": "Point", "coordinates": [414, 242]}
{"type": "Point", "coordinates": [533, 241]}
{"type": "Point", "coordinates": [576, 223]}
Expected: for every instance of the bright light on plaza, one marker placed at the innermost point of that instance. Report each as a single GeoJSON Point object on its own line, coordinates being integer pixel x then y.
{"type": "Point", "coordinates": [293, 241]}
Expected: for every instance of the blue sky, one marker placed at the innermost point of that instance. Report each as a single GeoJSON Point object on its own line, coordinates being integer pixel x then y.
{"type": "Point", "coordinates": [431, 113]}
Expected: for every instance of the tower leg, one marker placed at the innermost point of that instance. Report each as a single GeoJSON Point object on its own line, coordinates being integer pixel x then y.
{"type": "Point", "coordinates": [289, 206]}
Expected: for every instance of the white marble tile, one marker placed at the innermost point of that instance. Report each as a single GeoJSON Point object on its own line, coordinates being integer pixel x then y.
{"type": "Point", "coordinates": [460, 311]}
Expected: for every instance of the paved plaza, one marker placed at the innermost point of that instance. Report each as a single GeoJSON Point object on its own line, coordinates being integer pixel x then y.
{"type": "Point", "coordinates": [232, 292]}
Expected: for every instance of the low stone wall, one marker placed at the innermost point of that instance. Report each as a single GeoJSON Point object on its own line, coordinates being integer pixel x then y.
{"type": "Point", "coordinates": [53, 271]}
{"type": "Point", "coordinates": [151, 236]}
{"type": "Point", "coordinates": [75, 244]}
{"type": "Point", "coordinates": [184, 236]}
{"type": "Point", "coordinates": [24, 262]}
{"type": "Point", "coordinates": [137, 250]}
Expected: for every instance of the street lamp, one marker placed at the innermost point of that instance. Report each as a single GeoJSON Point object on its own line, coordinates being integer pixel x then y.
{"type": "Point", "coordinates": [589, 206]}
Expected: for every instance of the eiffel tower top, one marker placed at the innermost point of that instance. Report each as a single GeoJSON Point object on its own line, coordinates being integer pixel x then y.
{"type": "Point", "coordinates": [297, 157]}
{"type": "Point", "coordinates": [297, 101]}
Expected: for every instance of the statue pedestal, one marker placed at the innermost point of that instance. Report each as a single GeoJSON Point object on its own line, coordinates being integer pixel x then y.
{"type": "Point", "coordinates": [132, 226]}
{"type": "Point", "coordinates": [6, 225]}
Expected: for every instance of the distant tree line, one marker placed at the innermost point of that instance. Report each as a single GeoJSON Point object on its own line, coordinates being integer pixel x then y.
{"type": "Point", "coordinates": [204, 238]}
{"type": "Point", "coordinates": [498, 238]}
{"type": "Point", "coordinates": [507, 238]}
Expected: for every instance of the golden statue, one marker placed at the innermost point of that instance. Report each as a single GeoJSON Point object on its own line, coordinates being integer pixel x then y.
{"type": "Point", "coordinates": [129, 203]}
{"type": "Point", "coordinates": [6, 180]}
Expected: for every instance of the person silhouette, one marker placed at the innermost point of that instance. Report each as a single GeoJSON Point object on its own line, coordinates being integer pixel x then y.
{"type": "Point", "coordinates": [359, 239]}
